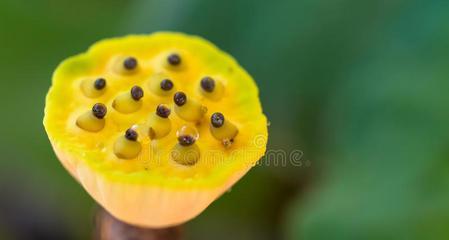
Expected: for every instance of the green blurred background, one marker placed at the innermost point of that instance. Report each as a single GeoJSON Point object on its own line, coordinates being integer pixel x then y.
{"type": "Point", "coordinates": [361, 87]}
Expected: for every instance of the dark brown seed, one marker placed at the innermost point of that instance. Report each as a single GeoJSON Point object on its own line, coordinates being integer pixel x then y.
{"type": "Point", "coordinates": [130, 63]}
{"type": "Point", "coordinates": [136, 93]}
{"type": "Point", "coordinates": [100, 83]}
{"type": "Point", "coordinates": [186, 140]}
{"type": "Point", "coordinates": [174, 59]}
{"type": "Point", "coordinates": [163, 111]}
{"type": "Point", "coordinates": [217, 119]}
{"type": "Point", "coordinates": [131, 134]}
{"type": "Point", "coordinates": [166, 84]}
{"type": "Point", "coordinates": [99, 110]}
{"type": "Point", "coordinates": [208, 84]}
{"type": "Point", "coordinates": [180, 98]}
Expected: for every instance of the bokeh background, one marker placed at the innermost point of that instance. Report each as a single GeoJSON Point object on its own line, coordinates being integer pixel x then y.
{"type": "Point", "coordinates": [361, 87]}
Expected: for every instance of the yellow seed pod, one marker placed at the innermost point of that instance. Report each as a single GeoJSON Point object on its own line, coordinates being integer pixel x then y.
{"type": "Point", "coordinates": [156, 179]}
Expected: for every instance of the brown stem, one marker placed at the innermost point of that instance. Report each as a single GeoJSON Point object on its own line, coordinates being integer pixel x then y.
{"type": "Point", "coordinates": [108, 227]}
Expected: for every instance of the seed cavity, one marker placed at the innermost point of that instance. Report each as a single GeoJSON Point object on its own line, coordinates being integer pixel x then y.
{"type": "Point", "coordinates": [163, 111]}
{"type": "Point", "coordinates": [100, 83]}
{"type": "Point", "coordinates": [224, 131]}
{"type": "Point", "coordinates": [208, 84]}
{"type": "Point", "coordinates": [161, 85]}
{"type": "Point", "coordinates": [93, 120]}
{"type": "Point", "coordinates": [180, 98]}
{"type": "Point", "coordinates": [131, 134]}
{"type": "Point", "coordinates": [166, 85]}
{"type": "Point", "coordinates": [217, 119]}
{"type": "Point", "coordinates": [211, 88]}
{"type": "Point", "coordinates": [136, 93]}
{"type": "Point", "coordinates": [159, 125]}
{"type": "Point", "coordinates": [174, 59]}
{"type": "Point", "coordinates": [186, 152]}
{"type": "Point", "coordinates": [127, 146]}
{"type": "Point", "coordinates": [130, 63]}
{"type": "Point", "coordinates": [129, 102]}
{"type": "Point", "coordinates": [99, 110]}
{"type": "Point", "coordinates": [93, 88]}
{"type": "Point", "coordinates": [191, 111]}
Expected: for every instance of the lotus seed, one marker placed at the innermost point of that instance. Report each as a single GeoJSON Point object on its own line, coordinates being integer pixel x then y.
{"type": "Point", "coordinates": [99, 110]}
{"type": "Point", "coordinates": [174, 59]}
{"type": "Point", "coordinates": [166, 84]}
{"type": "Point", "coordinates": [180, 98]}
{"type": "Point", "coordinates": [163, 111]}
{"type": "Point", "coordinates": [130, 63]}
{"type": "Point", "coordinates": [131, 134]}
{"type": "Point", "coordinates": [217, 119]}
{"type": "Point", "coordinates": [136, 93]}
{"type": "Point", "coordinates": [100, 83]}
{"type": "Point", "coordinates": [208, 84]}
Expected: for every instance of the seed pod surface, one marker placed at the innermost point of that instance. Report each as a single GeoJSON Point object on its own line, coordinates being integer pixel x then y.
{"type": "Point", "coordinates": [130, 158]}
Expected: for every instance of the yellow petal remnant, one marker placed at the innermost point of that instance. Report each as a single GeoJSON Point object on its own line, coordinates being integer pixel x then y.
{"type": "Point", "coordinates": [155, 168]}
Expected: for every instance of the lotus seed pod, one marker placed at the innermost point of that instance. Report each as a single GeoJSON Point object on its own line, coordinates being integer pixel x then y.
{"type": "Point", "coordinates": [93, 88]}
{"type": "Point", "coordinates": [127, 146]}
{"type": "Point", "coordinates": [211, 88]}
{"type": "Point", "coordinates": [129, 102]}
{"type": "Point", "coordinates": [188, 109]}
{"type": "Point", "coordinates": [222, 129]}
{"type": "Point", "coordinates": [93, 120]}
{"type": "Point", "coordinates": [162, 177]}
{"type": "Point", "coordinates": [159, 123]}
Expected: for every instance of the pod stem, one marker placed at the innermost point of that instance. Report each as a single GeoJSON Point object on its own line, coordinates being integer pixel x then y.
{"type": "Point", "coordinates": [108, 227]}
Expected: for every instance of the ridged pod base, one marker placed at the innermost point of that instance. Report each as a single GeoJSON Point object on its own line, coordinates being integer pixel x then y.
{"type": "Point", "coordinates": [143, 205]}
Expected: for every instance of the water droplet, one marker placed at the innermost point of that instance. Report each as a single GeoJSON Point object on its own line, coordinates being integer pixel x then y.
{"type": "Point", "coordinates": [187, 130]}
